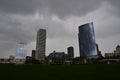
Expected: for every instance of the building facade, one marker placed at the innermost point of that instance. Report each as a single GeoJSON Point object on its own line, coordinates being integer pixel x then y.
{"type": "Point", "coordinates": [70, 51]}
{"type": "Point", "coordinates": [41, 44]}
{"type": "Point", "coordinates": [33, 54]}
{"type": "Point", "coordinates": [109, 55]}
{"type": "Point", "coordinates": [21, 51]}
{"type": "Point", "coordinates": [87, 43]}
{"type": "Point", "coordinates": [117, 51]}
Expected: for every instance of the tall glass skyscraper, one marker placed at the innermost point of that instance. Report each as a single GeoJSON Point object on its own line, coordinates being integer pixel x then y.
{"type": "Point", "coordinates": [87, 43]}
{"type": "Point", "coordinates": [21, 51]}
{"type": "Point", "coordinates": [41, 44]}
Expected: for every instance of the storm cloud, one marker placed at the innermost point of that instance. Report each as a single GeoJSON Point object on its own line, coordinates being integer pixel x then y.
{"type": "Point", "coordinates": [61, 8]}
{"type": "Point", "coordinates": [20, 20]}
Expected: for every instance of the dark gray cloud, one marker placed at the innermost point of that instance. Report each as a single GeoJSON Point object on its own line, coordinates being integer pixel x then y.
{"type": "Point", "coordinates": [12, 32]}
{"type": "Point", "coordinates": [13, 29]}
{"type": "Point", "coordinates": [20, 20]}
{"type": "Point", "coordinates": [108, 27]}
{"type": "Point", "coordinates": [115, 7]}
{"type": "Point", "coordinates": [115, 3]}
{"type": "Point", "coordinates": [61, 8]}
{"type": "Point", "coordinates": [16, 28]}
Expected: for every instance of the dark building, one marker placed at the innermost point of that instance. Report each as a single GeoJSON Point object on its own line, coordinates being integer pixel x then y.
{"type": "Point", "coordinates": [98, 52]}
{"type": "Point", "coordinates": [33, 54]}
{"type": "Point", "coordinates": [70, 51]}
{"type": "Point", "coordinates": [87, 43]}
{"type": "Point", "coordinates": [57, 55]}
{"type": "Point", "coordinates": [41, 44]}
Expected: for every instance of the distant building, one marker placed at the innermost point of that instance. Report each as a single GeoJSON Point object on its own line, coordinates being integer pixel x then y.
{"type": "Point", "coordinates": [21, 51]}
{"type": "Point", "coordinates": [57, 55]}
{"type": "Point", "coordinates": [33, 54]}
{"type": "Point", "coordinates": [70, 51]}
{"type": "Point", "coordinates": [116, 53]}
{"type": "Point", "coordinates": [109, 55]}
{"type": "Point", "coordinates": [41, 44]}
{"type": "Point", "coordinates": [11, 57]}
{"type": "Point", "coordinates": [87, 43]}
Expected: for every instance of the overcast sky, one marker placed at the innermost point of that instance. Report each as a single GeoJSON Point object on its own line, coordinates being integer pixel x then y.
{"type": "Point", "coordinates": [20, 20]}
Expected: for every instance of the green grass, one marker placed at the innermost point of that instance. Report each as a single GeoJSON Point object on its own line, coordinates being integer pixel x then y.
{"type": "Point", "coordinates": [60, 72]}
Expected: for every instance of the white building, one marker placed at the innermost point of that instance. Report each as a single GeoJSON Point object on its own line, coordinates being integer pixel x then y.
{"type": "Point", "coordinates": [21, 51]}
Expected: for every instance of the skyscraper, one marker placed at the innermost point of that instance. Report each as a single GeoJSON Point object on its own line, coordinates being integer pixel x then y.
{"type": "Point", "coordinates": [87, 43]}
{"type": "Point", "coordinates": [70, 51]}
{"type": "Point", "coordinates": [41, 44]}
{"type": "Point", "coordinates": [21, 51]}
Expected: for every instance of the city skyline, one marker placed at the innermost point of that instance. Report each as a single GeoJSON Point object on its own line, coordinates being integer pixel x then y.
{"type": "Point", "coordinates": [21, 19]}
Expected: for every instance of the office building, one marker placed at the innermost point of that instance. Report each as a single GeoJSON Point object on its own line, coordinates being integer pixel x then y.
{"type": "Point", "coordinates": [21, 51]}
{"type": "Point", "coordinates": [33, 54]}
{"type": "Point", "coordinates": [70, 51]}
{"type": "Point", "coordinates": [87, 43]}
{"type": "Point", "coordinates": [41, 44]}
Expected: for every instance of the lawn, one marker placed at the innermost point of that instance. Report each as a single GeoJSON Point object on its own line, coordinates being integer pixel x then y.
{"type": "Point", "coordinates": [60, 72]}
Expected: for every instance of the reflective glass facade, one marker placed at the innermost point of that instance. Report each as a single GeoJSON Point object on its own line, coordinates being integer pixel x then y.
{"type": "Point", "coordinates": [21, 51]}
{"type": "Point", "coordinates": [87, 43]}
